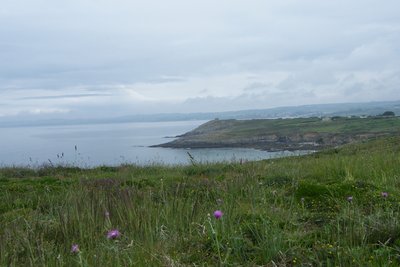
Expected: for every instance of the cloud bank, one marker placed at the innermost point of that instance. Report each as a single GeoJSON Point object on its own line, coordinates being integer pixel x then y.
{"type": "Point", "coordinates": [109, 58]}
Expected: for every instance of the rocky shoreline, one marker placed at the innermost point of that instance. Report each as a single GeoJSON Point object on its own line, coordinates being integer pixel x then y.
{"type": "Point", "coordinates": [288, 143]}
{"type": "Point", "coordinates": [275, 135]}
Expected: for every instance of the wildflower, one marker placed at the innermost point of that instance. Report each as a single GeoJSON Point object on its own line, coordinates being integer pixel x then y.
{"type": "Point", "coordinates": [385, 194]}
{"type": "Point", "coordinates": [302, 199]}
{"type": "Point", "coordinates": [218, 214]}
{"type": "Point", "coordinates": [74, 248]}
{"type": "Point", "coordinates": [349, 198]}
{"type": "Point", "coordinates": [113, 234]}
{"type": "Point", "coordinates": [220, 201]}
{"type": "Point", "coordinates": [107, 214]}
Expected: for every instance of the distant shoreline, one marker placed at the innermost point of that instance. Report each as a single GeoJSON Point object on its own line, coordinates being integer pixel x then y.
{"type": "Point", "coordinates": [286, 134]}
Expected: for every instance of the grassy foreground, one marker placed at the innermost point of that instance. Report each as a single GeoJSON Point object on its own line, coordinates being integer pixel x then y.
{"type": "Point", "coordinates": [286, 212]}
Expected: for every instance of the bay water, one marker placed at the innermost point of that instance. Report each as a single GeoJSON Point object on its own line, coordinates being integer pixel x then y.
{"type": "Point", "coordinates": [111, 144]}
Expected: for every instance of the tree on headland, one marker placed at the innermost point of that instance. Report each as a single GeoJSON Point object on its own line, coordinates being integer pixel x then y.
{"type": "Point", "coordinates": [388, 114]}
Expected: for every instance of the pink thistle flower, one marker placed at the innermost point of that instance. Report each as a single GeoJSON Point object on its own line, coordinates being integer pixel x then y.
{"type": "Point", "coordinates": [74, 248]}
{"type": "Point", "coordinates": [350, 198]}
{"type": "Point", "coordinates": [385, 194]}
{"type": "Point", "coordinates": [113, 234]}
{"type": "Point", "coordinates": [218, 214]}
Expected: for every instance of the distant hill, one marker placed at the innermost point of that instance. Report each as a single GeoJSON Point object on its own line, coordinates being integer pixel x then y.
{"type": "Point", "coordinates": [321, 110]}
{"type": "Point", "coordinates": [342, 109]}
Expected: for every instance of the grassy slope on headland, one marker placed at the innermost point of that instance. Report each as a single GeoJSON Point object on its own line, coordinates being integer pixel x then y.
{"type": "Point", "coordinates": [284, 212]}
{"type": "Point", "coordinates": [287, 134]}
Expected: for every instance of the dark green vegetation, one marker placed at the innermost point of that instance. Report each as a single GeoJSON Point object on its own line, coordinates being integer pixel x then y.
{"type": "Point", "coordinates": [281, 212]}
{"type": "Point", "coordinates": [287, 134]}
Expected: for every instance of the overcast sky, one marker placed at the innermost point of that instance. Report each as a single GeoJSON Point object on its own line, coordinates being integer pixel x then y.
{"type": "Point", "coordinates": [71, 58]}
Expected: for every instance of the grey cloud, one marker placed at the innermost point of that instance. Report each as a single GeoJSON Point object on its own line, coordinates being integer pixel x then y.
{"type": "Point", "coordinates": [102, 46]}
{"type": "Point", "coordinates": [308, 94]}
{"type": "Point", "coordinates": [311, 77]}
{"type": "Point", "coordinates": [63, 96]}
{"type": "Point", "coordinates": [257, 86]}
{"type": "Point", "coordinates": [354, 89]}
{"type": "Point", "coordinates": [167, 79]}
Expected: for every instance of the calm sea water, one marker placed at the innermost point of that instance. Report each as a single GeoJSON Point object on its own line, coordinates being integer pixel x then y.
{"type": "Point", "coordinates": [110, 144]}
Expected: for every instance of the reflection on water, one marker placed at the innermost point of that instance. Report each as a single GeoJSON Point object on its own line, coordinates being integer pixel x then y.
{"type": "Point", "coordinates": [111, 144]}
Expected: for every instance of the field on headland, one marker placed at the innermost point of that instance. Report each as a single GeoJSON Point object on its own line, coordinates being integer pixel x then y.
{"type": "Point", "coordinates": [339, 207]}
{"type": "Point", "coordinates": [287, 134]}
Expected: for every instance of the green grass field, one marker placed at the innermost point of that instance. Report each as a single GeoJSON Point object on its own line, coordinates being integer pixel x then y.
{"type": "Point", "coordinates": [282, 212]}
{"type": "Point", "coordinates": [243, 128]}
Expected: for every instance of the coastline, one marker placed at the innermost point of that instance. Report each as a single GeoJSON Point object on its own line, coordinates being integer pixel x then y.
{"type": "Point", "coordinates": [285, 134]}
